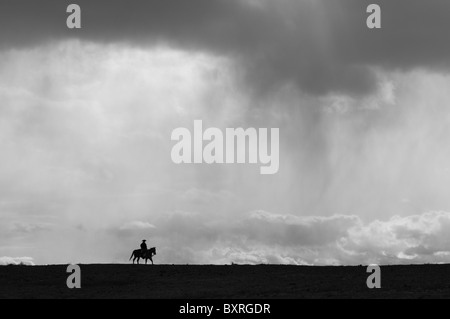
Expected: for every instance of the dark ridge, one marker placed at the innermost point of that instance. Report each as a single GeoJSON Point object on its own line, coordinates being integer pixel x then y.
{"type": "Point", "coordinates": [220, 282]}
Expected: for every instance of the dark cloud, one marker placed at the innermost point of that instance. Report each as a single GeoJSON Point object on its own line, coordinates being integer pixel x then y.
{"type": "Point", "coordinates": [270, 229]}
{"type": "Point", "coordinates": [320, 46]}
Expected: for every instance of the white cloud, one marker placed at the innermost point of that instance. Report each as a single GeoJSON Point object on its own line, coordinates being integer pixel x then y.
{"type": "Point", "coordinates": [28, 261]}
{"type": "Point", "coordinates": [264, 237]}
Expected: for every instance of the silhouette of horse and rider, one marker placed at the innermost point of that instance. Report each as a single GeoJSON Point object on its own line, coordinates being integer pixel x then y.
{"type": "Point", "coordinates": [143, 253]}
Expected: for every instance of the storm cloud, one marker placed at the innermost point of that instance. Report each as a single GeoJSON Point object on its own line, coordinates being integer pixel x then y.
{"type": "Point", "coordinates": [318, 46]}
{"type": "Point", "coordinates": [86, 118]}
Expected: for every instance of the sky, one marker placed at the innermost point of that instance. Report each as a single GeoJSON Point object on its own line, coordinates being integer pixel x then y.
{"type": "Point", "coordinates": [86, 118]}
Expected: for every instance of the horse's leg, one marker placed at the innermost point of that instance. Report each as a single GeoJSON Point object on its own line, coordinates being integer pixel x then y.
{"type": "Point", "coordinates": [151, 259]}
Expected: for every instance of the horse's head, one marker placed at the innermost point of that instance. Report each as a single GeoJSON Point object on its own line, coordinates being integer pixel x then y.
{"type": "Point", "coordinates": [153, 250]}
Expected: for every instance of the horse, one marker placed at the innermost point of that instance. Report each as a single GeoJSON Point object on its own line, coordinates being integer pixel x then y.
{"type": "Point", "coordinates": [137, 254]}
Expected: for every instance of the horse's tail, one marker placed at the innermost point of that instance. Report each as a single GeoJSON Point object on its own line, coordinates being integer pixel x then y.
{"type": "Point", "coordinates": [132, 255]}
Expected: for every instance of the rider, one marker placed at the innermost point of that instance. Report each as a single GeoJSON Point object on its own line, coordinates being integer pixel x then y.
{"type": "Point", "coordinates": [143, 247]}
